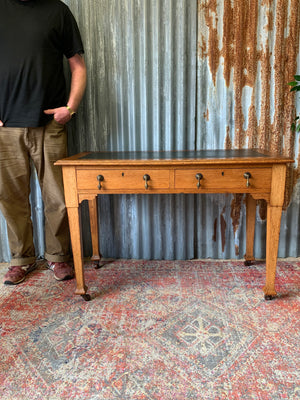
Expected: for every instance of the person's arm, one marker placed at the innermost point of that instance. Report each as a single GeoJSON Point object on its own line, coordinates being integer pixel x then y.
{"type": "Point", "coordinates": [78, 83]}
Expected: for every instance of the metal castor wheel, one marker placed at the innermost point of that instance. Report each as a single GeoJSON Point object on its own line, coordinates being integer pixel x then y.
{"type": "Point", "coordinates": [269, 297]}
{"type": "Point", "coordinates": [247, 263]}
{"type": "Point", "coordinates": [86, 297]}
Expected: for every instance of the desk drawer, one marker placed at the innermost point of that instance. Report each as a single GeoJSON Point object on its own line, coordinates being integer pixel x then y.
{"type": "Point", "coordinates": [227, 179]}
{"type": "Point", "coordinates": [122, 179]}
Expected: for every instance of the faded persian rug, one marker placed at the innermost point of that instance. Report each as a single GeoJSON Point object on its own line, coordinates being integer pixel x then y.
{"type": "Point", "coordinates": [154, 330]}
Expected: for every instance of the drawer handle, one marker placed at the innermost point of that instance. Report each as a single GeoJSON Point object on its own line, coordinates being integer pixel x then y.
{"type": "Point", "coordinates": [146, 178]}
{"type": "Point", "coordinates": [100, 179]}
{"type": "Point", "coordinates": [247, 176]}
{"type": "Point", "coordinates": [199, 176]}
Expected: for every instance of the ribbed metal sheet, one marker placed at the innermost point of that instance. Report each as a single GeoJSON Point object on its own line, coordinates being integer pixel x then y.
{"type": "Point", "coordinates": [185, 74]}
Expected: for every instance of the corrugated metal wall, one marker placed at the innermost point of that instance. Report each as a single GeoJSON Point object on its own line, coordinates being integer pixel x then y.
{"type": "Point", "coordinates": [185, 74]}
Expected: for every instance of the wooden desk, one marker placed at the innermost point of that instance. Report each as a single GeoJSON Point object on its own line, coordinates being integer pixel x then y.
{"type": "Point", "coordinates": [259, 175]}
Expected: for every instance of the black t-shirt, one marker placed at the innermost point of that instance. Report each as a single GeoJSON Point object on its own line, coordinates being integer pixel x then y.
{"type": "Point", "coordinates": [34, 37]}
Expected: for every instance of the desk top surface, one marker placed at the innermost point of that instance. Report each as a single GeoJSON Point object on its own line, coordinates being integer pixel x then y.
{"type": "Point", "coordinates": [170, 155]}
{"type": "Point", "coordinates": [188, 156]}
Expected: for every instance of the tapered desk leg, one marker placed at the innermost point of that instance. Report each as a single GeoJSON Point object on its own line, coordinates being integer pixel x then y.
{"type": "Point", "coordinates": [75, 232]}
{"type": "Point", "coordinates": [273, 232]}
{"type": "Point", "coordinates": [94, 230]}
{"type": "Point", "coordinates": [250, 228]}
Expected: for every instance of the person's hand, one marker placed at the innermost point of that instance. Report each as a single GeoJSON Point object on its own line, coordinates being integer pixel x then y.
{"type": "Point", "coordinates": [60, 114]}
{"type": "Point", "coordinates": [1, 123]}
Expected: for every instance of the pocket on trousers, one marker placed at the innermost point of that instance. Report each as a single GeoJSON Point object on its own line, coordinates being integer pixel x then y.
{"type": "Point", "coordinates": [54, 129]}
{"type": "Point", "coordinates": [55, 140]}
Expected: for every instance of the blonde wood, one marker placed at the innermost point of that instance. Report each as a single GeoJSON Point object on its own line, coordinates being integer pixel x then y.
{"type": "Point", "coordinates": [86, 194]}
{"type": "Point", "coordinates": [171, 180]}
{"type": "Point", "coordinates": [274, 211]}
{"type": "Point", "coordinates": [273, 231]}
{"type": "Point", "coordinates": [266, 158]}
{"type": "Point", "coordinates": [94, 229]}
{"type": "Point", "coordinates": [278, 185]}
{"type": "Point", "coordinates": [75, 232]}
{"type": "Point", "coordinates": [177, 176]}
{"type": "Point", "coordinates": [261, 196]}
{"type": "Point", "coordinates": [70, 186]}
{"type": "Point", "coordinates": [122, 179]}
{"type": "Point", "coordinates": [229, 179]}
{"type": "Point", "coordinates": [250, 226]}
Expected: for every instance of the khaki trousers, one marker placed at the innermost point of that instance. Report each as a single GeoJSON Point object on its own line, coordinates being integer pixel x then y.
{"type": "Point", "coordinates": [44, 145]}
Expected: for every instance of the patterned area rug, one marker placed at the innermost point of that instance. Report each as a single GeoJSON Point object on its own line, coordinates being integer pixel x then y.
{"type": "Point", "coordinates": [154, 330]}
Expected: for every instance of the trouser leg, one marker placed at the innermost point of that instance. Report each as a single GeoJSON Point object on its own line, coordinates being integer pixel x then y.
{"type": "Point", "coordinates": [50, 145]}
{"type": "Point", "coordinates": [14, 194]}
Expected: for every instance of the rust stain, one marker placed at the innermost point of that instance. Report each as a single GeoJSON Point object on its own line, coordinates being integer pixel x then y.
{"type": "Point", "coordinates": [237, 250]}
{"type": "Point", "coordinates": [252, 127]}
{"type": "Point", "coordinates": [270, 17]}
{"type": "Point", "coordinates": [252, 54]}
{"type": "Point", "coordinates": [223, 231]}
{"type": "Point", "coordinates": [266, 3]}
{"type": "Point", "coordinates": [214, 238]}
{"type": "Point", "coordinates": [262, 209]}
{"type": "Point", "coordinates": [245, 68]}
{"type": "Point", "coordinates": [236, 205]}
{"type": "Point", "coordinates": [228, 142]}
{"type": "Point", "coordinates": [278, 64]}
{"type": "Point", "coordinates": [206, 115]}
{"type": "Point", "coordinates": [202, 48]}
{"type": "Point", "coordinates": [202, 45]}
{"type": "Point", "coordinates": [210, 11]}
{"type": "Point", "coordinates": [290, 68]}
{"type": "Point", "coordinates": [228, 38]}
{"type": "Point", "coordinates": [238, 72]}
{"type": "Point", "coordinates": [264, 124]}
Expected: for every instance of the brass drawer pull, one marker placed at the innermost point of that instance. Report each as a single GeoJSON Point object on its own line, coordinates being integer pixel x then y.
{"type": "Point", "coordinates": [146, 178]}
{"type": "Point", "coordinates": [247, 176]}
{"type": "Point", "coordinates": [100, 179]}
{"type": "Point", "coordinates": [199, 176]}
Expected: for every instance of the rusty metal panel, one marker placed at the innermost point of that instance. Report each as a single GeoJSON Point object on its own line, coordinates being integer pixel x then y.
{"type": "Point", "coordinates": [247, 52]}
{"type": "Point", "coordinates": [185, 74]}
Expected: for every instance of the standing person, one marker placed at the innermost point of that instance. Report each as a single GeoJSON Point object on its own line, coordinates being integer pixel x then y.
{"type": "Point", "coordinates": [35, 35]}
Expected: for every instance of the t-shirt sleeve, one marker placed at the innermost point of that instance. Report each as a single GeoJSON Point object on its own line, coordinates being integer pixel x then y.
{"type": "Point", "coordinates": [72, 43]}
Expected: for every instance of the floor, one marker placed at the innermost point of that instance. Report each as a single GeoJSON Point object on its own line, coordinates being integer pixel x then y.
{"type": "Point", "coordinates": [156, 330]}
